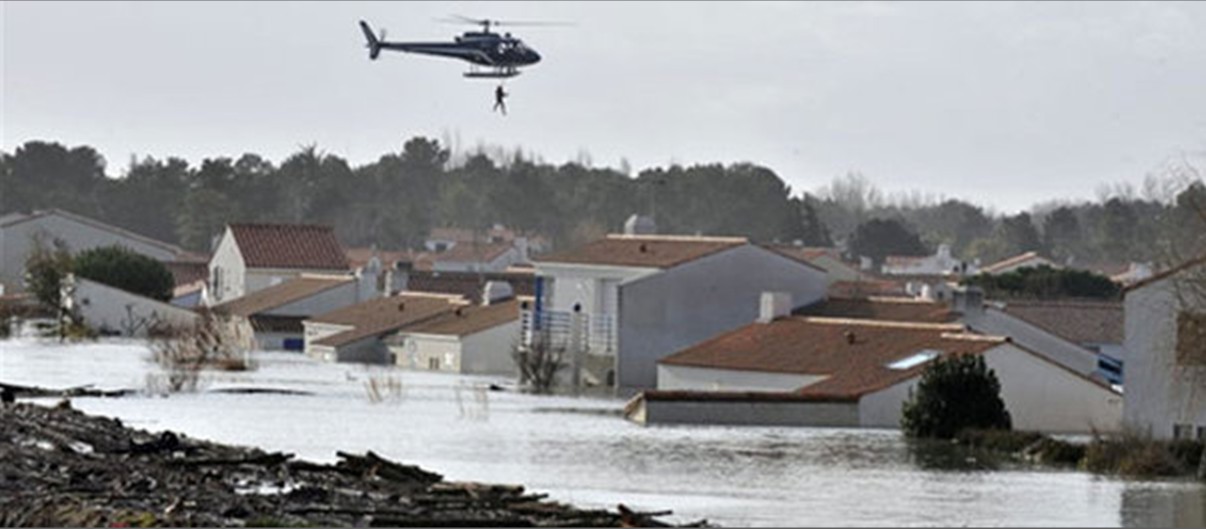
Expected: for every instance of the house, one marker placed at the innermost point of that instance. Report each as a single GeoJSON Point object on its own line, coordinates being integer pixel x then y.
{"type": "Point", "coordinates": [939, 264]}
{"type": "Point", "coordinates": [1165, 348]}
{"type": "Point", "coordinates": [1079, 335]}
{"type": "Point", "coordinates": [250, 257]}
{"type": "Point", "coordinates": [18, 232]}
{"type": "Point", "coordinates": [480, 256]}
{"type": "Point", "coordinates": [356, 333]}
{"type": "Point", "coordinates": [442, 239]}
{"type": "Point", "coordinates": [638, 297]}
{"type": "Point", "coordinates": [471, 339]}
{"type": "Point", "coordinates": [830, 259]}
{"type": "Point", "coordinates": [1083, 335]}
{"type": "Point", "coordinates": [274, 315]}
{"type": "Point", "coordinates": [190, 273]}
{"type": "Point", "coordinates": [810, 371]}
{"type": "Point", "coordinates": [115, 312]}
{"type": "Point", "coordinates": [469, 285]}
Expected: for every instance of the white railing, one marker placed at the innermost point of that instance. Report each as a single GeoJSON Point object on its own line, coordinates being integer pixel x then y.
{"type": "Point", "coordinates": [569, 330]}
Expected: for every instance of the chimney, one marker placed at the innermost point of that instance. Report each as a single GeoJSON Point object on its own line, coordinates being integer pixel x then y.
{"type": "Point", "coordinates": [495, 291]}
{"type": "Point", "coordinates": [968, 301]}
{"type": "Point", "coordinates": [366, 287]}
{"type": "Point", "coordinates": [774, 305]}
{"type": "Point", "coordinates": [521, 245]}
{"type": "Point", "coordinates": [639, 225]}
{"type": "Point", "coordinates": [401, 276]}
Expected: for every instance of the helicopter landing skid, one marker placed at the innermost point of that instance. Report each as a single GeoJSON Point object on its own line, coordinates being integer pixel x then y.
{"type": "Point", "coordinates": [491, 74]}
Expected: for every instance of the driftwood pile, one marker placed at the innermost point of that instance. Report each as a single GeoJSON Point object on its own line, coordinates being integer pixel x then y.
{"type": "Point", "coordinates": [60, 467]}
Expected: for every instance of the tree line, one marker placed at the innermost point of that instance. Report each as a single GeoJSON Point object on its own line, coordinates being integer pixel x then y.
{"type": "Point", "coordinates": [395, 201]}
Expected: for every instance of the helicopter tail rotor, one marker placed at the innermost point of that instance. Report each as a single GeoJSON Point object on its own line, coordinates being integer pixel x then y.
{"type": "Point", "coordinates": [374, 45]}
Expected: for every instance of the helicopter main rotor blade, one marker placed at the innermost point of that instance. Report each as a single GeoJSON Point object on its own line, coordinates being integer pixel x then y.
{"type": "Point", "coordinates": [461, 19]}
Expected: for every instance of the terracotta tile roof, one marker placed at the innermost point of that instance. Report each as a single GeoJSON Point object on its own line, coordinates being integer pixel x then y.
{"type": "Point", "coordinates": [881, 308]}
{"type": "Point", "coordinates": [868, 287]}
{"type": "Point", "coordinates": [383, 315]}
{"type": "Point", "coordinates": [822, 346]}
{"type": "Point", "coordinates": [804, 253]}
{"type": "Point", "coordinates": [295, 289]}
{"type": "Point", "coordinates": [289, 246]}
{"type": "Point", "coordinates": [646, 251]}
{"type": "Point", "coordinates": [469, 319]}
{"type": "Point", "coordinates": [469, 252]}
{"type": "Point", "coordinates": [469, 284]}
{"type": "Point", "coordinates": [1076, 321]}
{"type": "Point", "coordinates": [1017, 260]}
{"type": "Point", "coordinates": [184, 272]}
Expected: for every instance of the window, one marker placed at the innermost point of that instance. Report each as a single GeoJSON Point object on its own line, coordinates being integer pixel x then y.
{"type": "Point", "coordinates": [1182, 431]}
{"type": "Point", "coordinates": [1202, 433]}
{"type": "Point", "coordinates": [433, 363]}
{"type": "Point", "coordinates": [921, 357]}
{"type": "Point", "coordinates": [1191, 339]}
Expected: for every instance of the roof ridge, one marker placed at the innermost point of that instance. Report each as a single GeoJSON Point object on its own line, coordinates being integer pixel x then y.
{"type": "Point", "coordinates": [883, 323]}
{"type": "Point", "coordinates": [677, 238]}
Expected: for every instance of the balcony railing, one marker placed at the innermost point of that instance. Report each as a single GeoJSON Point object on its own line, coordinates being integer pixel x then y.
{"type": "Point", "coordinates": [573, 331]}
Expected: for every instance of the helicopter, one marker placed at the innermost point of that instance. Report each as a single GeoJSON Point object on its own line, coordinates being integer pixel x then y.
{"type": "Point", "coordinates": [490, 55]}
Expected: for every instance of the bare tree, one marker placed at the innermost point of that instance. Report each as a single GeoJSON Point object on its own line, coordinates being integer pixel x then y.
{"type": "Point", "coordinates": [539, 364]}
{"type": "Point", "coordinates": [183, 352]}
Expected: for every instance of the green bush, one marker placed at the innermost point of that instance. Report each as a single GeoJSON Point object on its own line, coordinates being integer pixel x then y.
{"type": "Point", "coordinates": [122, 268]}
{"type": "Point", "coordinates": [955, 393]}
{"type": "Point", "coordinates": [1044, 282]}
{"type": "Point", "coordinates": [1130, 455]}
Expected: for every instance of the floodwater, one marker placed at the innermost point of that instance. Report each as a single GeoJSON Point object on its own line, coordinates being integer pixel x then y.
{"type": "Point", "coordinates": [581, 451]}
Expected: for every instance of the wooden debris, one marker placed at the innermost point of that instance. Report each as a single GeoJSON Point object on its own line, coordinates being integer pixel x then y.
{"type": "Point", "coordinates": [60, 467]}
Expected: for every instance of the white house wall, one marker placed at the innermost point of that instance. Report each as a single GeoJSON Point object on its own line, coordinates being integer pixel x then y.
{"type": "Point", "coordinates": [417, 350]}
{"type": "Point", "coordinates": [315, 331]}
{"type": "Point", "coordinates": [882, 409]}
{"type": "Point", "coordinates": [1159, 394]}
{"type": "Point", "coordinates": [489, 352]}
{"type": "Point", "coordinates": [578, 284]}
{"type": "Point", "coordinates": [105, 308]}
{"type": "Point", "coordinates": [227, 259]}
{"type": "Point", "coordinates": [16, 243]}
{"type": "Point", "coordinates": [710, 379]}
{"type": "Point", "coordinates": [663, 313]}
{"type": "Point", "coordinates": [1043, 397]}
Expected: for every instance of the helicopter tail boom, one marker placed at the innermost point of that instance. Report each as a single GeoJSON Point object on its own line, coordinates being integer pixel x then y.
{"type": "Point", "coordinates": [374, 45]}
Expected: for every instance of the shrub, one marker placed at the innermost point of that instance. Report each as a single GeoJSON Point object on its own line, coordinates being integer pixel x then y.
{"type": "Point", "coordinates": [998, 440]}
{"type": "Point", "coordinates": [1131, 455]}
{"type": "Point", "coordinates": [955, 393]}
{"type": "Point", "coordinates": [45, 269]}
{"type": "Point", "coordinates": [122, 268]}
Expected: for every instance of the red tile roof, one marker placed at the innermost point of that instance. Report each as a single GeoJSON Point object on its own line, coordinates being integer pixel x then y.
{"type": "Point", "coordinates": [358, 257]}
{"type": "Point", "coordinates": [1201, 260]}
{"type": "Point", "coordinates": [881, 308]}
{"type": "Point", "coordinates": [468, 319]}
{"type": "Point", "coordinates": [646, 251]}
{"type": "Point", "coordinates": [275, 296]}
{"type": "Point", "coordinates": [469, 284]}
{"type": "Point", "coordinates": [289, 246]}
{"type": "Point", "coordinates": [853, 354]}
{"type": "Point", "coordinates": [384, 315]}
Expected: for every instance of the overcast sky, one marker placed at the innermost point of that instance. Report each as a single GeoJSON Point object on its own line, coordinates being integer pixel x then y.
{"type": "Point", "coordinates": [1003, 104]}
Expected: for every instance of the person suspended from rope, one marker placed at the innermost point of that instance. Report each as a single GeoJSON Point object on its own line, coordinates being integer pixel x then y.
{"type": "Point", "coordinates": [500, 103]}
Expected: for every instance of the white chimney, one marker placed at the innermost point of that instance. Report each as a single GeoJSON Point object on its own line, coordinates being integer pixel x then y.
{"type": "Point", "coordinates": [521, 245]}
{"type": "Point", "coordinates": [367, 280]}
{"type": "Point", "coordinates": [774, 305]}
{"type": "Point", "coordinates": [496, 291]}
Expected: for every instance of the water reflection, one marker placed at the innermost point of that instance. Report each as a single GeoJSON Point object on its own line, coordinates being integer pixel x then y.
{"type": "Point", "coordinates": [1173, 504]}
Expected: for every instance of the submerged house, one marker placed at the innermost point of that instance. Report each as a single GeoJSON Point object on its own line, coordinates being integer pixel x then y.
{"type": "Point", "coordinates": [20, 231]}
{"type": "Point", "coordinates": [274, 315]}
{"type": "Point", "coordinates": [1165, 349]}
{"type": "Point", "coordinates": [251, 257]}
{"type": "Point", "coordinates": [623, 302]}
{"type": "Point", "coordinates": [470, 339]}
{"type": "Point", "coordinates": [814, 371]}
{"type": "Point", "coordinates": [356, 333]}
